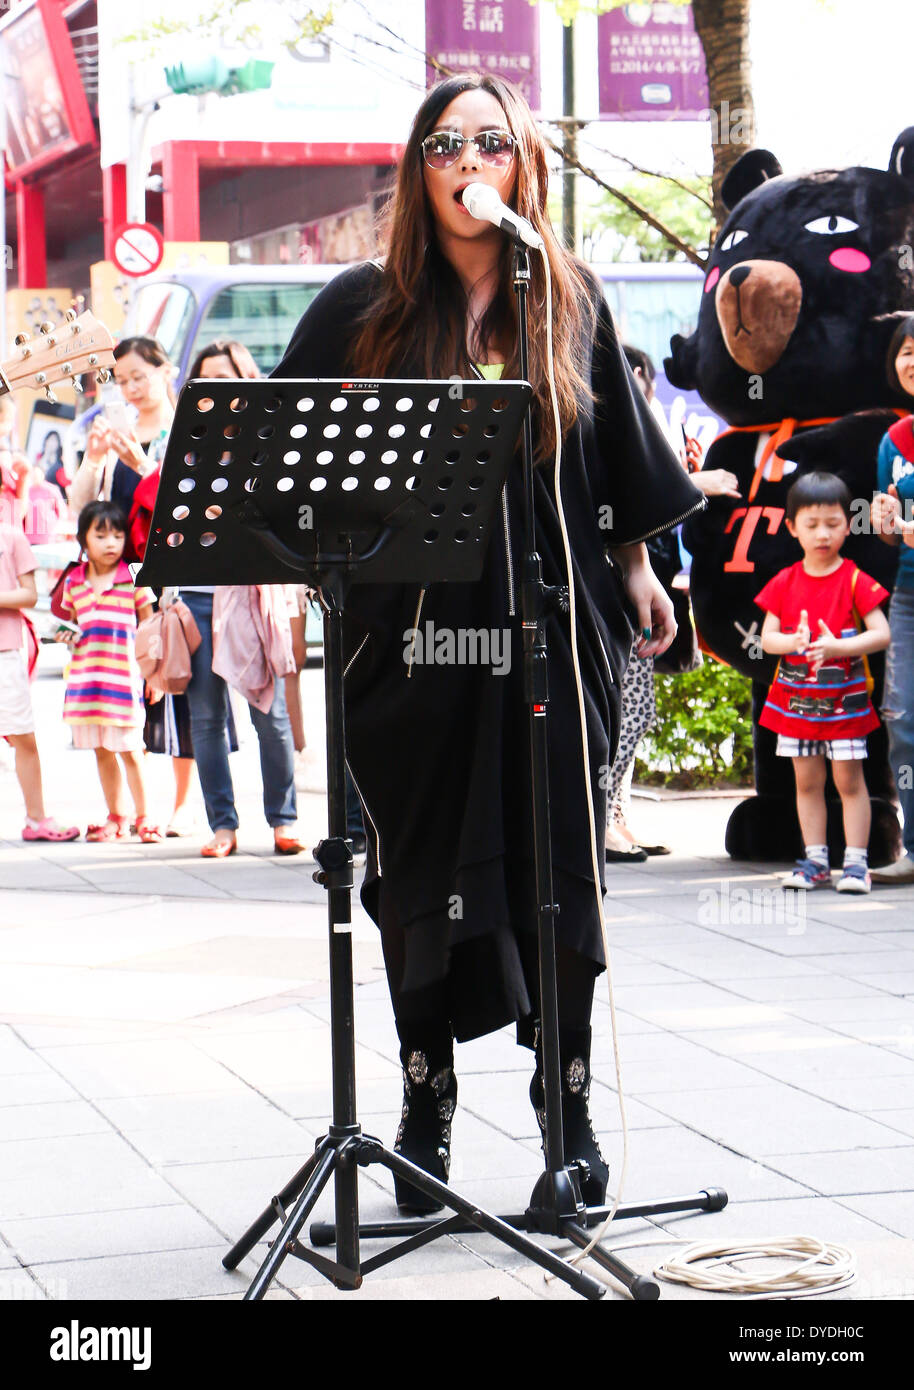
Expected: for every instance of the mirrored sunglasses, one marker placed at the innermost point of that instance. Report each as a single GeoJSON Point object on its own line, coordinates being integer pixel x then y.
{"type": "Point", "coordinates": [444, 147]}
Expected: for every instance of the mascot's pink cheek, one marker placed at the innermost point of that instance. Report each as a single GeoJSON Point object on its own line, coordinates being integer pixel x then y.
{"type": "Point", "coordinates": [847, 258]}
{"type": "Point", "coordinates": [712, 279]}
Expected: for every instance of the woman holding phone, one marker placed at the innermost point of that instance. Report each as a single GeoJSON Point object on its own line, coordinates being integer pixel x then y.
{"type": "Point", "coordinates": [127, 440]}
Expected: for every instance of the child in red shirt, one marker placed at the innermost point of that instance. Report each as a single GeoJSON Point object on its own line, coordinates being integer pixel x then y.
{"type": "Point", "coordinates": [822, 618]}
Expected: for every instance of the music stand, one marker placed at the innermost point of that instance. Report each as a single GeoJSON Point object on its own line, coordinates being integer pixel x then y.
{"type": "Point", "coordinates": [341, 482]}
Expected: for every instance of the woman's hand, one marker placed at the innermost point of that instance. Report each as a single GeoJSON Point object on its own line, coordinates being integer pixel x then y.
{"type": "Point", "coordinates": [694, 453]}
{"type": "Point", "coordinates": [99, 441]}
{"type": "Point", "coordinates": [717, 482]}
{"type": "Point", "coordinates": [129, 450]}
{"type": "Point", "coordinates": [885, 511]}
{"type": "Point", "coordinates": [905, 529]}
{"type": "Point", "coordinates": [651, 602]}
{"type": "Point", "coordinates": [153, 696]}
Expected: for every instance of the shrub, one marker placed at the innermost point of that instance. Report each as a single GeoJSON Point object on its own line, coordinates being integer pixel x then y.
{"type": "Point", "coordinates": [702, 736]}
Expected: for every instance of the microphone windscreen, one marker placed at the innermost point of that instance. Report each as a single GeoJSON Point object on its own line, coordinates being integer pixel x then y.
{"type": "Point", "coordinates": [481, 200]}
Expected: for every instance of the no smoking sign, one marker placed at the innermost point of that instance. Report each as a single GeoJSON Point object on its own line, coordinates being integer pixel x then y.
{"type": "Point", "coordinates": [138, 248]}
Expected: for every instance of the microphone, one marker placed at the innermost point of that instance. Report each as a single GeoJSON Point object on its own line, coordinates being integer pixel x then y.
{"type": "Point", "coordinates": [482, 202]}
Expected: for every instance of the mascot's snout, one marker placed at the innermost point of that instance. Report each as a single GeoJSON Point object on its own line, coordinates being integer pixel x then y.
{"type": "Point", "coordinates": [758, 304]}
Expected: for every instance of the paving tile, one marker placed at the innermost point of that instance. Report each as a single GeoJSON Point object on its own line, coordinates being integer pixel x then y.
{"type": "Point", "coordinates": [54, 1119]}
{"type": "Point", "coordinates": [893, 1210]}
{"type": "Point", "coordinates": [33, 1088]}
{"type": "Point", "coordinates": [85, 1173]}
{"type": "Point", "coordinates": [16, 1058]}
{"type": "Point", "coordinates": [201, 1127]}
{"type": "Point", "coordinates": [141, 1068]}
{"type": "Point", "coordinates": [822, 1217]}
{"type": "Point", "coordinates": [173, 1274]}
{"type": "Point", "coordinates": [853, 1172]}
{"type": "Point", "coordinates": [772, 1119]}
{"type": "Point", "coordinates": [42, 1240]}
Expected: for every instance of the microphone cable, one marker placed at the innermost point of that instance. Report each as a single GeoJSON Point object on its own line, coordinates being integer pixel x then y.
{"type": "Point", "coordinates": [582, 714]}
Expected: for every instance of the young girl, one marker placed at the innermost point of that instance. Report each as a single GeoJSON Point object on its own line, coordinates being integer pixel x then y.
{"type": "Point", "coordinates": [17, 722]}
{"type": "Point", "coordinates": [104, 697]}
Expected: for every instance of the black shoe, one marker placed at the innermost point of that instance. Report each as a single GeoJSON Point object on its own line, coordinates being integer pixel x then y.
{"type": "Point", "coordinates": [635, 855]}
{"type": "Point", "coordinates": [359, 847]}
{"type": "Point", "coordinates": [580, 1141]}
{"type": "Point", "coordinates": [429, 1102]}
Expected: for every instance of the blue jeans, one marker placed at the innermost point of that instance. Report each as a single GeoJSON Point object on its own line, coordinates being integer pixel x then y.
{"type": "Point", "coordinates": [898, 705]}
{"type": "Point", "coordinates": [207, 696]}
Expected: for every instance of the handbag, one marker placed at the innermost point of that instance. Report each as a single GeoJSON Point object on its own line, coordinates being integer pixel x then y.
{"type": "Point", "coordinates": [56, 595]}
{"type": "Point", "coordinates": [682, 655]}
{"type": "Point", "coordinates": [165, 643]}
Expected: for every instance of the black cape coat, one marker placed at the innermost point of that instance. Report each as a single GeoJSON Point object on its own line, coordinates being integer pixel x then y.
{"type": "Point", "coordinates": [440, 757]}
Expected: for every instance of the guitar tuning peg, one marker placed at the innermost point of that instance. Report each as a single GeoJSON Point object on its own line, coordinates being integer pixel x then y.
{"type": "Point", "coordinates": [103, 376]}
{"type": "Point", "coordinates": [71, 315]}
{"type": "Point", "coordinates": [46, 327]}
{"type": "Point", "coordinates": [77, 386]}
{"type": "Point", "coordinates": [49, 395]}
{"type": "Point", "coordinates": [21, 338]}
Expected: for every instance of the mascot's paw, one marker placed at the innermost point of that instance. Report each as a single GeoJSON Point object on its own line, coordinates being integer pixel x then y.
{"type": "Point", "coordinates": [766, 829]}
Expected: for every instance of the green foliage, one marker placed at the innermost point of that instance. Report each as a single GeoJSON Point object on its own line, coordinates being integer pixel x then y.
{"type": "Point", "coordinates": [233, 23]}
{"type": "Point", "coordinates": [703, 733]}
{"type": "Point", "coordinates": [683, 207]}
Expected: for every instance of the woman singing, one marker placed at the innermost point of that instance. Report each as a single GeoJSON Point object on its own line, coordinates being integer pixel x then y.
{"type": "Point", "coordinates": [440, 753]}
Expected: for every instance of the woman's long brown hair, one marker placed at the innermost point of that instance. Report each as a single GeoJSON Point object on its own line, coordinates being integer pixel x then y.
{"type": "Point", "coordinates": [421, 307]}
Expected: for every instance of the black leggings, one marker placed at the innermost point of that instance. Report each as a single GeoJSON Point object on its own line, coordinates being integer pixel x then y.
{"type": "Point", "coordinates": [427, 1010]}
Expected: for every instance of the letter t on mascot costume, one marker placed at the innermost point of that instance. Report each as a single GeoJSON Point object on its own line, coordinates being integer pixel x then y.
{"type": "Point", "coordinates": [801, 298]}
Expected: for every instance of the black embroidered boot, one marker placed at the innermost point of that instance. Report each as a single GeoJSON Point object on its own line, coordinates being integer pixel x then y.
{"type": "Point", "coordinates": [429, 1102]}
{"type": "Point", "coordinates": [580, 1140]}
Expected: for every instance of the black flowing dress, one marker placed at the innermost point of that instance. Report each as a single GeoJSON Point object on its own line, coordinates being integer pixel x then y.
{"type": "Point", "coordinates": [440, 757]}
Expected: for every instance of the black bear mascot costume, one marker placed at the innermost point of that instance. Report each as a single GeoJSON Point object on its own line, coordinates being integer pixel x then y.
{"type": "Point", "coordinates": [802, 296]}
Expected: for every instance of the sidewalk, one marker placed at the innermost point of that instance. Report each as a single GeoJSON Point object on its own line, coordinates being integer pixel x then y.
{"type": "Point", "coordinates": [165, 1054]}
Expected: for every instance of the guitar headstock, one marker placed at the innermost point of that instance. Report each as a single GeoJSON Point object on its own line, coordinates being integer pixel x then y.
{"type": "Point", "coordinates": [59, 352]}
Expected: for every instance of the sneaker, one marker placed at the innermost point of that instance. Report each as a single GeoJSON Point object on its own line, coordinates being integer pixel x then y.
{"type": "Point", "coordinates": [808, 874]}
{"type": "Point", "coordinates": [359, 848]}
{"type": "Point", "coordinates": [855, 878]}
{"type": "Point", "coordinates": [902, 871]}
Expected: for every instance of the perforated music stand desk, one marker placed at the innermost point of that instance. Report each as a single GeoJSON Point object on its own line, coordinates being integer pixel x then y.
{"type": "Point", "coordinates": [389, 482]}
{"type": "Point", "coordinates": [331, 483]}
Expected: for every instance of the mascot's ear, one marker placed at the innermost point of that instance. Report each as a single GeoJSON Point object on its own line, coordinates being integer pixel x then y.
{"type": "Point", "coordinates": [902, 160]}
{"type": "Point", "coordinates": [750, 171]}
{"type": "Point", "coordinates": [681, 367]}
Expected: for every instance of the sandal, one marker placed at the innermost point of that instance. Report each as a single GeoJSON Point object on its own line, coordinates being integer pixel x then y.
{"type": "Point", "coordinates": [149, 834]}
{"type": "Point", "coordinates": [48, 829]}
{"type": "Point", "coordinates": [219, 849]}
{"type": "Point", "coordinates": [286, 844]}
{"type": "Point", "coordinates": [114, 828]}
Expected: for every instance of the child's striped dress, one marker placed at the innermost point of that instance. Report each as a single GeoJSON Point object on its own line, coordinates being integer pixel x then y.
{"type": "Point", "coordinates": [104, 697]}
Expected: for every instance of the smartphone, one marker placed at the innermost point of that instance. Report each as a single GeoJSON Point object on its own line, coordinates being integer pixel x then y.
{"type": "Point", "coordinates": [118, 417]}
{"type": "Point", "coordinates": [65, 629]}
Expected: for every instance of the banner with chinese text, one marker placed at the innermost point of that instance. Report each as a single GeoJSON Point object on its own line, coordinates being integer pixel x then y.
{"type": "Point", "coordinates": [651, 64]}
{"type": "Point", "coordinates": [481, 36]}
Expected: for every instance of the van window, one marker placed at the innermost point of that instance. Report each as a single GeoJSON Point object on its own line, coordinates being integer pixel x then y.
{"type": "Point", "coordinates": [165, 312]}
{"type": "Point", "coordinates": [262, 316]}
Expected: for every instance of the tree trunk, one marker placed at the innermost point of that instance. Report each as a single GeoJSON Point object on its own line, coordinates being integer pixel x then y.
{"type": "Point", "coordinates": [723, 27]}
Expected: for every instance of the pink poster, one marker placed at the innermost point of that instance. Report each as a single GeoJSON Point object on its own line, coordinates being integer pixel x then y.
{"type": "Point", "coordinates": [479, 36]}
{"type": "Point", "coordinates": [652, 65]}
